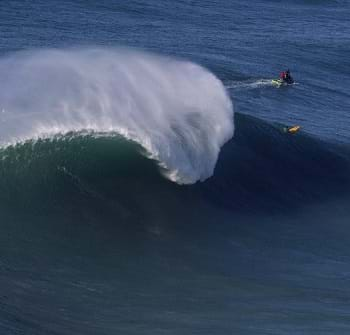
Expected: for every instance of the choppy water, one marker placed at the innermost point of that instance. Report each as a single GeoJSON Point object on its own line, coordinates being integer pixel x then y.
{"type": "Point", "coordinates": [154, 190]}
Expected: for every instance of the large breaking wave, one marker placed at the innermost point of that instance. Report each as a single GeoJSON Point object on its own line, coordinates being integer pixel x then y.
{"type": "Point", "coordinates": [261, 169]}
{"type": "Point", "coordinates": [178, 111]}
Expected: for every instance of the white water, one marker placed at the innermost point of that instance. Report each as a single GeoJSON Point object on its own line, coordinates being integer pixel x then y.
{"type": "Point", "coordinates": [249, 84]}
{"type": "Point", "coordinates": [178, 111]}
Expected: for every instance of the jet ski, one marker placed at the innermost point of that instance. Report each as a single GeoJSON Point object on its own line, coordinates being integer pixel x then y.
{"type": "Point", "coordinates": [280, 82]}
{"type": "Point", "coordinates": [287, 80]}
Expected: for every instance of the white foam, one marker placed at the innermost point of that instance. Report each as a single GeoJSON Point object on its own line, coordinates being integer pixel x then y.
{"type": "Point", "coordinates": [178, 111]}
{"type": "Point", "coordinates": [248, 84]}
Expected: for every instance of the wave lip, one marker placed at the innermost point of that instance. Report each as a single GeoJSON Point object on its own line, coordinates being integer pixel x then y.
{"type": "Point", "coordinates": [177, 110]}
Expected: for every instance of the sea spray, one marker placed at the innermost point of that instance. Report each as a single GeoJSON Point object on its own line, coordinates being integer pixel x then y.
{"type": "Point", "coordinates": [177, 110]}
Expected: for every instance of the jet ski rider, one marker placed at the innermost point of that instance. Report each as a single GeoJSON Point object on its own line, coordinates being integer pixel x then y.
{"type": "Point", "coordinates": [286, 77]}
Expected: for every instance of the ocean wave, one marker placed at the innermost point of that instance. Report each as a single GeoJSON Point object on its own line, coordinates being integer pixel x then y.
{"type": "Point", "coordinates": [178, 111]}
{"type": "Point", "coordinates": [261, 168]}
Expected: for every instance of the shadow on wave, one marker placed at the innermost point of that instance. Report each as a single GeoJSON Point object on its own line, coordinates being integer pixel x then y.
{"type": "Point", "coordinates": [265, 168]}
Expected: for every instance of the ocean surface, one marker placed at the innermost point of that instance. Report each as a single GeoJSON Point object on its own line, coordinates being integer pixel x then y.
{"type": "Point", "coordinates": [147, 183]}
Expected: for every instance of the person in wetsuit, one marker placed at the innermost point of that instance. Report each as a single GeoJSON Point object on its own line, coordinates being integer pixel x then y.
{"type": "Point", "coordinates": [287, 77]}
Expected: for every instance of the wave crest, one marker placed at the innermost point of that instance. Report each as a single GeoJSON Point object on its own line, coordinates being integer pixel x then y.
{"type": "Point", "coordinates": [178, 111]}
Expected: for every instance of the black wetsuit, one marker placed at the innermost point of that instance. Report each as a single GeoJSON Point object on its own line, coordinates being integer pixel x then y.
{"type": "Point", "coordinates": [288, 78]}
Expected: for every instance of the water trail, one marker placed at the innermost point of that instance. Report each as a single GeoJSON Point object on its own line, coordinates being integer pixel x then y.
{"type": "Point", "coordinates": [178, 111]}
{"type": "Point", "coordinates": [248, 84]}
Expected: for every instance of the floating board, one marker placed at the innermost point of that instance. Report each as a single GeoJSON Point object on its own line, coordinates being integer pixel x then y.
{"type": "Point", "coordinates": [292, 129]}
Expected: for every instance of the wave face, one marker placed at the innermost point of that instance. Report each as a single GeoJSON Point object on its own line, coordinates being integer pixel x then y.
{"type": "Point", "coordinates": [178, 111]}
{"type": "Point", "coordinates": [265, 168]}
{"type": "Point", "coordinates": [261, 169]}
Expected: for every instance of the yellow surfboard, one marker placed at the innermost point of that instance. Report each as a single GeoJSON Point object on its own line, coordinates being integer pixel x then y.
{"type": "Point", "coordinates": [293, 129]}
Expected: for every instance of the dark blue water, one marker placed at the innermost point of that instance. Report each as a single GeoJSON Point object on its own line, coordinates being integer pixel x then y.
{"type": "Point", "coordinates": [95, 240]}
